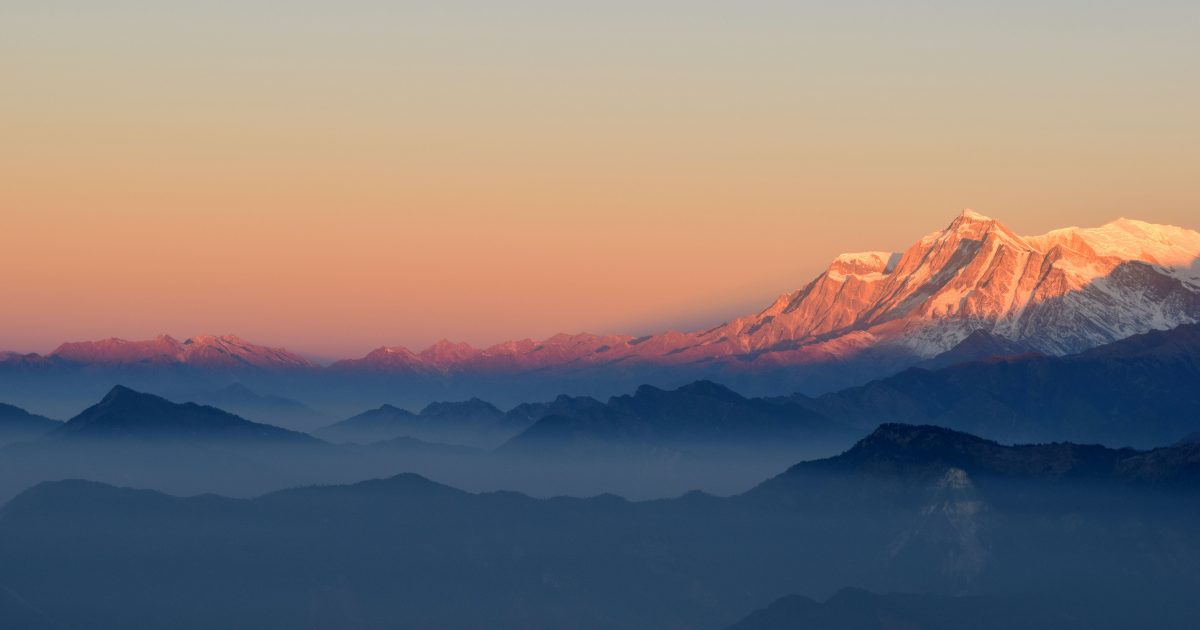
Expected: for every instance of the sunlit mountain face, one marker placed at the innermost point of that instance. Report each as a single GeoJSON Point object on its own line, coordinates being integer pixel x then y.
{"type": "Point", "coordinates": [655, 315]}
{"type": "Point", "coordinates": [1059, 292]}
{"type": "Point", "coordinates": [869, 314]}
{"type": "Point", "coordinates": [983, 430]}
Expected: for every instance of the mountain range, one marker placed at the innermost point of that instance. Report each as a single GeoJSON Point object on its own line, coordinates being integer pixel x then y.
{"type": "Point", "coordinates": [926, 453]}
{"type": "Point", "coordinates": [126, 414]}
{"type": "Point", "coordinates": [1060, 292]}
{"type": "Point", "coordinates": [867, 315]}
{"type": "Point", "coordinates": [227, 351]}
{"type": "Point", "coordinates": [1137, 391]}
{"type": "Point", "coordinates": [708, 437]}
{"type": "Point", "coordinates": [699, 417]}
{"type": "Point", "coordinates": [135, 438]}
{"type": "Point", "coordinates": [650, 443]}
{"type": "Point", "coordinates": [241, 400]}
{"type": "Point", "coordinates": [471, 422]}
{"type": "Point", "coordinates": [1108, 537]}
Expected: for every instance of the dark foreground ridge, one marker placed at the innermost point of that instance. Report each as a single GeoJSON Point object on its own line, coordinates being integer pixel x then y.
{"type": "Point", "coordinates": [913, 509]}
{"type": "Point", "coordinates": [901, 450]}
{"type": "Point", "coordinates": [1139, 391]}
{"type": "Point", "coordinates": [127, 414]}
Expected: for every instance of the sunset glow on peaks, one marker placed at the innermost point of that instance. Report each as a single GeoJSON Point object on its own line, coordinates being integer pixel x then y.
{"type": "Point", "coordinates": [332, 178]}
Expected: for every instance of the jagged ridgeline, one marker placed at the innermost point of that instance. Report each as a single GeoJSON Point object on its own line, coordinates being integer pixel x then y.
{"type": "Point", "coordinates": [650, 443]}
{"type": "Point", "coordinates": [983, 431]}
{"type": "Point", "coordinates": [868, 315]}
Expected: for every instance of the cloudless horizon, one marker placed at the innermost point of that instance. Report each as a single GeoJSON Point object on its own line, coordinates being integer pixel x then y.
{"type": "Point", "coordinates": [332, 177]}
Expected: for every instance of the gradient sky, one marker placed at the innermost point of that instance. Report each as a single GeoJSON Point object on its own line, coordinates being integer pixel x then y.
{"type": "Point", "coordinates": [334, 176]}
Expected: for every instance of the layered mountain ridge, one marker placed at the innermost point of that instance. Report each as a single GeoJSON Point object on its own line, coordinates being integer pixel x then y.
{"type": "Point", "coordinates": [917, 508]}
{"type": "Point", "coordinates": [128, 414]}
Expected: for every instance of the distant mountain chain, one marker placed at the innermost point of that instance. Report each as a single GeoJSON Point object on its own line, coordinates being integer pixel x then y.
{"type": "Point", "coordinates": [925, 427]}
{"type": "Point", "coordinates": [1057, 293]}
{"type": "Point", "coordinates": [205, 350]}
{"type": "Point", "coordinates": [472, 423]}
{"type": "Point", "coordinates": [654, 442]}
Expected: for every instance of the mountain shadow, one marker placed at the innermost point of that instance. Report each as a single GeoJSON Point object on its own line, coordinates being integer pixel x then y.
{"type": "Point", "coordinates": [918, 509]}
{"type": "Point", "coordinates": [127, 414]}
{"type": "Point", "coordinates": [471, 422]}
{"type": "Point", "coordinates": [18, 425]}
{"type": "Point", "coordinates": [1138, 391]}
{"type": "Point", "coordinates": [276, 410]}
{"type": "Point", "coordinates": [700, 417]}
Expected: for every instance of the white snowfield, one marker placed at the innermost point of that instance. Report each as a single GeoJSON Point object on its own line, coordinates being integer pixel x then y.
{"type": "Point", "coordinates": [1058, 292]}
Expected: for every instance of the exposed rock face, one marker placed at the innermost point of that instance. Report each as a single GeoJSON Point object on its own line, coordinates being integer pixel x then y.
{"type": "Point", "coordinates": [1057, 293]}
{"type": "Point", "coordinates": [1061, 292]}
{"type": "Point", "coordinates": [948, 529]}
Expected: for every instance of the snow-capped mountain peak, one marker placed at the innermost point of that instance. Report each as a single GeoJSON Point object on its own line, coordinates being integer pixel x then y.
{"type": "Point", "coordinates": [203, 350]}
{"type": "Point", "coordinates": [1058, 292]}
{"type": "Point", "coordinates": [863, 265]}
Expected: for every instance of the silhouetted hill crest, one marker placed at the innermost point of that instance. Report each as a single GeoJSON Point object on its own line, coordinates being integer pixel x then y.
{"type": "Point", "coordinates": [124, 413]}
{"type": "Point", "coordinates": [900, 451]}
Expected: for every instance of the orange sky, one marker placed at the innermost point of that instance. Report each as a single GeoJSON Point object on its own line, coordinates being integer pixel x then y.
{"type": "Point", "coordinates": [336, 176]}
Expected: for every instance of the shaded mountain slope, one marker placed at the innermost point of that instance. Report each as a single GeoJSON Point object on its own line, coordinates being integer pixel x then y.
{"type": "Point", "coordinates": [276, 410]}
{"type": "Point", "coordinates": [699, 416]}
{"type": "Point", "coordinates": [145, 441]}
{"type": "Point", "coordinates": [471, 422]}
{"type": "Point", "coordinates": [133, 438]}
{"type": "Point", "coordinates": [1137, 391]}
{"type": "Point", "coordinates": [980, 344]}
{"type": "Point", "coordinates": [17, 425]}
{"type": "Point", "coordinates": [918, 451]}
{"type": "Point", "coordinates": [127, 414]}
{"type": "Point", "coordinates": [402, 551]}
{"type": "Point", "coordinates": [385, 422]}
